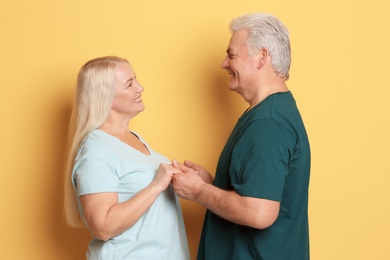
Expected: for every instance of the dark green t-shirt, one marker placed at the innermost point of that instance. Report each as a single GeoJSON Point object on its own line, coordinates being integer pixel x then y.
{"type": "Point", "coordinates": [266, 156]}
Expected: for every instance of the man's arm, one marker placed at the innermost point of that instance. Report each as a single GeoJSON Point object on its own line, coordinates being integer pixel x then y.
{"type": "Point", "coordinates": [247, 211]}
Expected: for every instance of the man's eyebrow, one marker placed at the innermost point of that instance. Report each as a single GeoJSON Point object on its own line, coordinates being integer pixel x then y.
{"type": "Point", "coordinates": [230, 52]}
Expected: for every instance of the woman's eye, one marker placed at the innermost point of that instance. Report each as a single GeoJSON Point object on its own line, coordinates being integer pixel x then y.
{"type": "Point", "coordinates": [131, 84]}
{"type": "Point", "coordinates": [132, 81]}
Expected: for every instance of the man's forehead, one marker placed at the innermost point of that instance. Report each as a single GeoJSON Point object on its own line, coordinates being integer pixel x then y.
{"type": "Point", "coordinates": [237, 40]}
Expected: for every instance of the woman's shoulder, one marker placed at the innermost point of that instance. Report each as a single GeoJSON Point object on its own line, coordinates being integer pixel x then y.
{"type": "Point", "coordinates": [95, 139]}
{"type": "Point", "coordinates": [96, 143]}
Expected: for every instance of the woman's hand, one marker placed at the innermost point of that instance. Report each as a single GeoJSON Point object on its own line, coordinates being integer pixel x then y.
{"type": "Point", "coordinates": [164, 176]}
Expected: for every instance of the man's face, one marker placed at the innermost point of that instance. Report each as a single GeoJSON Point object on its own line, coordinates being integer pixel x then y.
{"type": "Point", "coordinates": [240, 65]}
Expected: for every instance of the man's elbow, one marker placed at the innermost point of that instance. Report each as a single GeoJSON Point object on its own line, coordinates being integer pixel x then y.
{"type": "Point", "coordinates": [262, 222]}
{"type": "Point", "coordinates": [263, 219]}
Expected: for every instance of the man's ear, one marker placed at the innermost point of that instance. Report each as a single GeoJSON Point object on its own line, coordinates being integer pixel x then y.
{"type": "Point", "coordinates": [263, 56]}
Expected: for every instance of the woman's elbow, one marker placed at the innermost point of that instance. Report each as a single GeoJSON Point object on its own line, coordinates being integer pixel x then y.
{"type": "Point", "coordinates": [100, 231]}
{"type": "Point", "coordinates": [101, 235]}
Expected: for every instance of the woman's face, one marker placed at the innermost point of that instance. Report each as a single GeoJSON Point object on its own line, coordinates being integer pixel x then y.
{"type": "Point", "coordinates": [127, 98]}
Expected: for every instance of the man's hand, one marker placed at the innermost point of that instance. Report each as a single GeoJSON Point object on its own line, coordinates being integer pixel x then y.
{"type": "Point", "coordinates": [203, 173]}
{"type": "Point", "coordinates": [187, 184]}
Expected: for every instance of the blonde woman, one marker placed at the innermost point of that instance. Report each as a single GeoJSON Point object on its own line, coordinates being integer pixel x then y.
{"type": "Point", "coordinates": [115, 184]}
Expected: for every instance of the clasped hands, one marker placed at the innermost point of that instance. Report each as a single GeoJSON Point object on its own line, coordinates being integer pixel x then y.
{"type": "Point", "coordinates": [188, 183]}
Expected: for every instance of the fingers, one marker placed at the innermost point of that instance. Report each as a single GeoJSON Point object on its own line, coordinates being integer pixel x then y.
{"type": "Point", "coordinates": [181, 167]}
{"type": "Point", "coordinates": [193, 165]}
{"type": "Point", "coordinates": [175, 170]}
{"type": "Point", "coordinates": [168, 168]}
{"type": "Point", "coordinates": [189, 163]}
{"type": "Point", "coordinates": [164, 175]}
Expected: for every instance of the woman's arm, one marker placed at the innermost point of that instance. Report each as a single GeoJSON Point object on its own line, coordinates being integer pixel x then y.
{"type": "Point", "coordinates": [107, 218]}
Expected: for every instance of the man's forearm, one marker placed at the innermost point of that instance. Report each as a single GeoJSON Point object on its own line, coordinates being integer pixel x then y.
{"type": "Point", "coordinates": [229, 205]}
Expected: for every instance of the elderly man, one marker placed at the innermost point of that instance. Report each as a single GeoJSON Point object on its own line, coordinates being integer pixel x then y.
{"type": "Point", "coordinates": [257, 204]}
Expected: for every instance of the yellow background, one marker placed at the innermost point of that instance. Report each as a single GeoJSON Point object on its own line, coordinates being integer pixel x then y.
{"type": "Point", "coordinates": [339, 77]}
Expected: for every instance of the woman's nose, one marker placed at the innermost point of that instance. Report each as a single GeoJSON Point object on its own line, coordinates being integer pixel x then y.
{"type": "Point", "coordinates": [140, 88]}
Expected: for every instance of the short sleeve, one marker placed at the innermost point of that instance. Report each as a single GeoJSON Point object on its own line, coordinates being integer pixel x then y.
{"type": "Point", "coordinates": [95, 170]}
{"type": "Point", "coordinates": [260, 160]}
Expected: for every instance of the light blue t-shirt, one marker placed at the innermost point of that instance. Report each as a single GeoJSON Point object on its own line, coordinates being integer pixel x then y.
{"type": "Point", "coordinates": [106, 164]}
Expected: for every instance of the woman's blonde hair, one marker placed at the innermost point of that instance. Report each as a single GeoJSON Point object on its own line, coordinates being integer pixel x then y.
{"type": "Point", "coordinates": [94, 92]}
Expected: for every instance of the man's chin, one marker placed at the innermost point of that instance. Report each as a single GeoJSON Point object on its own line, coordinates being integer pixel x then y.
{"type": "Point", "coordinates": [233, 87]}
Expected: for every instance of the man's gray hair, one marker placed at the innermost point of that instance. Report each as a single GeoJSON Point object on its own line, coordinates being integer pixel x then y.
{"type": "Point", "coordinates": [267, 31]}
